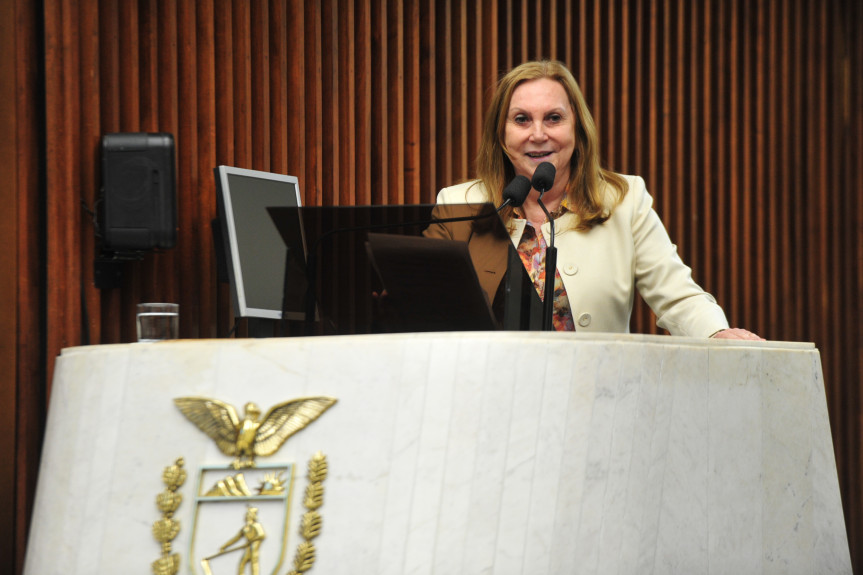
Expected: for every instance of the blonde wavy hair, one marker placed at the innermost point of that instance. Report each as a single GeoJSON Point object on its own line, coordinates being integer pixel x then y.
{"type": "Point", "coordinates": [585, 192]}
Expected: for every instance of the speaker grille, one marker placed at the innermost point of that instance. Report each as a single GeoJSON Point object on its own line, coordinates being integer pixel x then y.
{"type": "Point", "coordinates": [139, 198]}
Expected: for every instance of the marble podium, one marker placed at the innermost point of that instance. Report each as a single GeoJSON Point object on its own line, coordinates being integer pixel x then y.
{"type": "Point", "coordinates": [462, 453]}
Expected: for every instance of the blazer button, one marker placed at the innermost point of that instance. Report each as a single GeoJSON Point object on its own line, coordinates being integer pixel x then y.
{"type": "Point", "coordinates": [584, 320]}
{"type": "Point", "coordinates": [570, 269]}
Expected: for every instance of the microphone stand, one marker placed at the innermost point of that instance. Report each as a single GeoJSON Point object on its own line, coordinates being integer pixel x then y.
{"type": "Point", "coordinates": [550, 268]}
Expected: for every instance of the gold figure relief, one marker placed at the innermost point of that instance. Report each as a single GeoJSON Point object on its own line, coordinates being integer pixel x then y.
{"type": "Point", "coordinates": [167, 528]}
{"type": "Point", "coordinates": [249, 437]}
{"type": "Point", "coordinates": [250, 536]}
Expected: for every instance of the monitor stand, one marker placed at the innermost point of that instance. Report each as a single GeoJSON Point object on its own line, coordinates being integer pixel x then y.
{"type": "Point", "coordinates": [260, 327]}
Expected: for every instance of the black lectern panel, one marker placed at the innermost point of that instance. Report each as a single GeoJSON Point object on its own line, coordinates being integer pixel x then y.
{"type": "Point", "coordinates": [347, 270]}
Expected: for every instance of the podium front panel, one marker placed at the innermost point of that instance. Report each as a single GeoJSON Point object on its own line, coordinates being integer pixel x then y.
{"type": "Point", "coordinates": [503, 453]}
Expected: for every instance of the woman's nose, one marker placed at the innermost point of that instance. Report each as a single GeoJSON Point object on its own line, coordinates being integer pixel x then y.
{"type": "Point", "coordinates": [537, 131]}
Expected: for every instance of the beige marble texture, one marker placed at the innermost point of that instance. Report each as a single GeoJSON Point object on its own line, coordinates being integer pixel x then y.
{"type": "Point", "coordinates": [503, 453]}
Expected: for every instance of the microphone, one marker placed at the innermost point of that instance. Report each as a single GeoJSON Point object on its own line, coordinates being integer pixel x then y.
{"type": "Point", "coordinates": [515, 193]}
{"type": "Point", "coordinates": [543, 177]}
{"type": "Point", "coordinates": [542, 181]}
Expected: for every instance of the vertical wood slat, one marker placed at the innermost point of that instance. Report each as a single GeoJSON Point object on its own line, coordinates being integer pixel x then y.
{"type": "Point", "coordinates": [9, 291]}
{"type": "Point", "coordinates": [22, 381]}
{"type": "Point", "coordinates": [738, 115]}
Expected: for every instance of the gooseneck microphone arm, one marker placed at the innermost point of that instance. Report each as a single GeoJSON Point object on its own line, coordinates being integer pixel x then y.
{"type": "Point", "coordinates": [514, 195]}
{"type": "Point", "coordinates": [543, 180]}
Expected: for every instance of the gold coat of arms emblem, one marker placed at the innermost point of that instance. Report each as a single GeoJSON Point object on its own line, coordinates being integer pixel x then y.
{"type": "Point", "coordinates": [241, 509]}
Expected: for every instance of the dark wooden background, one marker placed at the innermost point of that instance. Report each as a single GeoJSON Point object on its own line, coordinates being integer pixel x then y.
{"type": "Point", "coordinates": [744, 117]}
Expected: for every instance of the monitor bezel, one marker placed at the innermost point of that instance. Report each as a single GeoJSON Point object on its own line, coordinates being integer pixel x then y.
{"type": "Point", "coordinates": [236, 278]}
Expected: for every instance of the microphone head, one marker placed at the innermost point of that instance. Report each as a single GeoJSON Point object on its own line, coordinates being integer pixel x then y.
{"type": "Point", "coordinates": [543, 177]}
{"type": "Point", "coordinates": [515, 192]}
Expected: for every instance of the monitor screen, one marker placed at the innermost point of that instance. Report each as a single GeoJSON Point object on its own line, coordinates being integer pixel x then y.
{"type": "Point", "coordinates": [255, 254]}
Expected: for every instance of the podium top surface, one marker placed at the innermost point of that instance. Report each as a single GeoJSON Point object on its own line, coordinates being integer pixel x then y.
{"type": "Point", "coordinates": [576, 338]}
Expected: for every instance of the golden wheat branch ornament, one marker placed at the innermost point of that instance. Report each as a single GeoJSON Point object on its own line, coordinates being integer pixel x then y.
{"type": "Point", "coordinates": [250, 436]}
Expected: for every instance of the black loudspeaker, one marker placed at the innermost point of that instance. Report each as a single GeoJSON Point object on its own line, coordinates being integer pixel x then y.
{"type": "Point", "coordinates": [139, 199]}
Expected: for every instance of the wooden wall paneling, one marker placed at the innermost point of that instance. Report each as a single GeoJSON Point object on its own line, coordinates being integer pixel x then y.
{"type": "Point", "coordinates": [743, 185]}
{"type": "Point", "coordinates": [796, 170]}
{"type": "Point", "coordinates": [459, 94]}
{"type": "Point", "coordinates": [277, 58]}
{"type": "Point", "coordinates": [772, 148]}
{"type": "Point", "coordinates": [412, 123]}
{"type": "Point", "coordinates": [733, 261]}
{"type": "Point", "coordinates": [380, 103]}
{"type": "Point", "coordinates": [241, 76]}
{"type": "Point", "coordinates": [565, 33]}
{"type": "Point", "coordinates": [839, 222]}
{"type": "Point", "coordinates": [642, 318]}
{"type": "Point", "coordinates": [428, 104]}
{"type": "Point", "coordinates": [843, 233]}
{"type": "Point", "coordinates": [851, 60]}
{"type": "Point", "coordinates": [522, 47]}
{"type": "Point", "coordinates": [363, 103]}
{"type": "Point", "coordinates": [226, 102]}
{"type": "Point", "coordinates": [779, 167]}
{"type": "Point", "coordinates": [348, 192]}
{"type": "Point", "coordinates": [135, 274]}
{"type": "Point", "coordinates": [296, 120]}
{"type": "Point", "coordinates": [164, 22]}
{"type": "Point", "coordinates": [443, 87]}
{"type": "Point", "coordinates": [152, 289]}
{"type": "Point", "coordinates": [720, 144]}
{"type": "Point", "coordinates": [694, 199]}
{"type": "Point", "coordinates": [394, 114]}
{"type": "Point", "coordinates": [611, 73]}
{"type": "Point", "coordinates": [504, 25]}
{"type": "Point", "coordinates": [491, 69]}
{"type": "Point", "coordinates": [758, 191]}
{"type": "Point", "coordinates": [818, 254]}
{"type": "Point", "coordinates": [708, 134]}
{"type": "Point", "coordinates": [472, 59]}
{"type": "Point", "coordinates": [187, 165]}
{"type": "Point", "coordinates": [261, 112]}
{"type": "Point", "coordinates": [90, 184]}
{"type": "Point", "coordinates": [675, 189]}
{"type": "Point", "coordinates": [59, 70]}
{"type": "Point", "coordinates": [128, 77]}
{"type": "Point", "coordinates": [149, 66]}
{"type": "Point", "coordinates": [666, 122]}
{"type": "Point", "coordinates": [22, 383]}
{"type": "Point", "coordinates": [204, 295]}
{"type": "Point", "coordinates": [622, 127]}
{"type": "Point", "coordinates": [330, 110]}
{"type": "Point", "coordinates": [313, 98]}
{"type": "Point", "coordinates": [225, 147]}
{"type": "Point", "coordinates": [9, 288]}
{"type": "Point", "coordinates": [485, 76]}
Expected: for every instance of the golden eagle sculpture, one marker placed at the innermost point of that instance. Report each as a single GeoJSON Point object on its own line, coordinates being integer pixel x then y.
{"type": "Point", "coordinates": [250, 436]}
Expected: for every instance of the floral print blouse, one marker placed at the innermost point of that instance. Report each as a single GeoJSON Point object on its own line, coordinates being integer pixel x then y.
{"type": "Point", "coordinates": [532, 248]}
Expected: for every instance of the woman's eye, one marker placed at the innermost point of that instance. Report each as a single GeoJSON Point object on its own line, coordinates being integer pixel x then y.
{"type": "Point", "coordinates": [520, 119]}
{"type": "Point", "coordinates": [555, 118]}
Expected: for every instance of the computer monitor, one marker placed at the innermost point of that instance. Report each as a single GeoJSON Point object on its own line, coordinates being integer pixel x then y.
{"type": "Point", "coordinates": [255, 254]}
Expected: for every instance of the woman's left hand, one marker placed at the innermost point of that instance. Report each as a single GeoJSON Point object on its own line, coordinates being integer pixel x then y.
{"type": "Point", "coordinates": [737, 333]}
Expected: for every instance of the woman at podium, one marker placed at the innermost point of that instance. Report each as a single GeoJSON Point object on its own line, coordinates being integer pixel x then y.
{"type": "Point", "coordinates": [610, 242]}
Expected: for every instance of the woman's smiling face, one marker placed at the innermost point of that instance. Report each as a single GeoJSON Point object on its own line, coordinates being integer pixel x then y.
{"type": "Point", "coordinates": [540, 127]}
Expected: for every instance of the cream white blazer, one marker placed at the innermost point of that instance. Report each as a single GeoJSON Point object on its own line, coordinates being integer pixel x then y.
{"type": "Point", "coordinates": [603, 267]}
